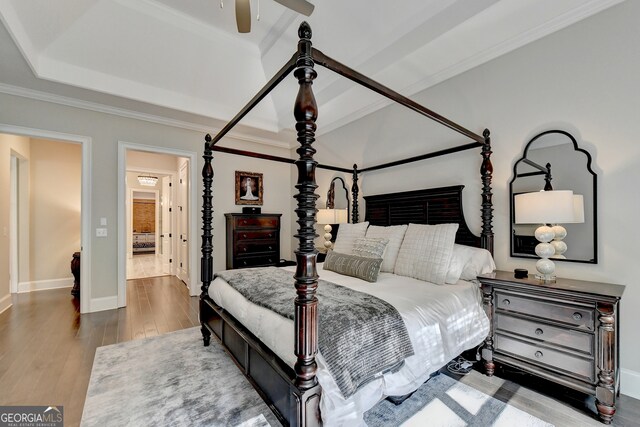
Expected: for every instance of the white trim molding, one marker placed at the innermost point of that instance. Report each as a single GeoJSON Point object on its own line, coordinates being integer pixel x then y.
{"type": "Point", "coordinates": [85, 216]}
{"type": "Point", "coordinates": [43, 285]}
{"type": "Point", "coordinates": [630, 383]}
{"type": "Point", "coordinates": [5, 303]}
{"type": "Point", "coordinates": [104, 303]}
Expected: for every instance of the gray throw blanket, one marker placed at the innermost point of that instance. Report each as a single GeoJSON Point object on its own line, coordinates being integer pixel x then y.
{"type": "Point", "coordinates": [359, 335]}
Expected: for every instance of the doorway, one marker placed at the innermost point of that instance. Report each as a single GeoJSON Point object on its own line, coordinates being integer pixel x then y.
{"type": "Point", "coordinates": [25, 224]}
{"type": "Point", "coordinates": [161, 245]}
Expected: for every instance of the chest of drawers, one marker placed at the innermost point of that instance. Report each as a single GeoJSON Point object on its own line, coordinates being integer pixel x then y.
{"type": "Point", "coordinates": [253, 240]}
{"type": "Point", "coordinates": [565, 331]}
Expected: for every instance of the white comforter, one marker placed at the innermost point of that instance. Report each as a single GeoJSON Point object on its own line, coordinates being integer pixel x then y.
{"type": "Point", "coordinates": [442, 321]}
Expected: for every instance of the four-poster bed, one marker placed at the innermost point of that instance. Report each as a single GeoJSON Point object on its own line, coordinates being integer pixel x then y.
{"type": "Point", "coordinates": [294, 394]}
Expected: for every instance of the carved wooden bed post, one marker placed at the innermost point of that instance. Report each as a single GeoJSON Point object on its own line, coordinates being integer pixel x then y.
{"type": "Point", "coordinates": [486, 171]}
{"type": "Point", "coordinates": [306, 276]}
{"type": "Point", "coordinates": [206, 262]}
{"type": "Point", "coordinates": [354, 193]}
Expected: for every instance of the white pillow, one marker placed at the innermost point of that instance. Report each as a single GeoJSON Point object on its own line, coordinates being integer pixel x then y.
{"type": "Point", "coordinates": [467, 262]}
{"type": "Point", "coordinates": [481, 262]}
{"type": "Point", "coordinates": [426, 252]}
{"type": "Point", "coordinates": [395, 234]}
{"type": "Point", "coordinates": [370, 247]}
{"type": "Point", "coordinates": [347, 235]}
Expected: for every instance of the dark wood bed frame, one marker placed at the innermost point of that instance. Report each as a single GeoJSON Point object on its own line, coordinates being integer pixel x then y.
{"type": "Point", "coordinates": [294, 393]}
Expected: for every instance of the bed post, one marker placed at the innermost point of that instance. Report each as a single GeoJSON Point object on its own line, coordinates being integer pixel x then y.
{"type": "Point", "coordinates": [306, 277]}
{"type": "Point", "coordinates": [354, 193]}
{"type": "Point", "coordinates": [486, 171]}
{"type": "Point", "coordinates": [206, 262]}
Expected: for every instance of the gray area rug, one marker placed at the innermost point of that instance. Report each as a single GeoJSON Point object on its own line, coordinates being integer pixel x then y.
{"type": "Point", "coordinates": [173, 380]}
{"type": "Point", "coordinates": [159, 381]}
{"type": "Point", "coordinates": [443, 401]}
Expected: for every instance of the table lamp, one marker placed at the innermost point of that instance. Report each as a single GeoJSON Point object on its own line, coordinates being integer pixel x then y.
{"type": "Point", "coordinates": [546, 207]}
{"type": "Point", "coordinates": [329, 217]}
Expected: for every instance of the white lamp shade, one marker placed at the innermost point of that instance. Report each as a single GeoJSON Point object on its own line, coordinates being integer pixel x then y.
{"type": "Point", "coordinates": [544, 207]}
{"type": "Point", "coordinates": [578, 208]}
{"type": "Point", "coordinates": [332, 216]}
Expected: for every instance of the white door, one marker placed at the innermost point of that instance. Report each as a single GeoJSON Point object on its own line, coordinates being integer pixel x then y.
{"type": "Point", "coordinates": [166, 235]}
{"type": "Point", "coordinates": [182, 266]}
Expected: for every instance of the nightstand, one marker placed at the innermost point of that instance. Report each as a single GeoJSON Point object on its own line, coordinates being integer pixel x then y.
{"type": "Point", "coordinates": [565, 331]}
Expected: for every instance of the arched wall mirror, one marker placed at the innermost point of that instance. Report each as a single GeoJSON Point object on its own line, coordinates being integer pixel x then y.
{"type": "Point", "coordinates": [338, 196]}
{"type": "Point", "coordinates": [553, 160]}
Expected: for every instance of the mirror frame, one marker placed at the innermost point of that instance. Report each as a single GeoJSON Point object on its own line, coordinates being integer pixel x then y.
{"type": "Point", "coordinates": [331, 196]}
{"type": "Point", "coordinates": [595, 198]}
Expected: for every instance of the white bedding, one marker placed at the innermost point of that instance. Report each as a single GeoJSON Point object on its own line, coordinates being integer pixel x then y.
{"type": "Point", "coordinates": [442, 321]}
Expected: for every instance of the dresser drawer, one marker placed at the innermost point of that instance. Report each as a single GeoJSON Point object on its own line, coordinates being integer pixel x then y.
{"type": "Point", "coordinates": [254, 261]}
{"type": "Point", "coordinates": [559, 311]}
{"type": "Point", "coordinates": [249, 247]}
{"type": "Point", "coordinates": [570, 338]}
{"type": "Point", "coordinates": [261, 222]}
{"type": "Point", "coordinates": [255, 235]}
{"type": "Point", "coordinates": [555, 360]}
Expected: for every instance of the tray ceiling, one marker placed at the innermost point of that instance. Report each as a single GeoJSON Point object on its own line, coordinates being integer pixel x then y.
{"type": "Point", "coordinates": [184, 60]}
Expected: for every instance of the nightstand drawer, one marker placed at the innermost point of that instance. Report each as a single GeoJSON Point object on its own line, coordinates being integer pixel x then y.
{"type": "Point", "coordinates": [569, 314]}
{"type": "Point", "coordinates": [559, 361]}
{"type": "Point", "coordinates": [570, 338]}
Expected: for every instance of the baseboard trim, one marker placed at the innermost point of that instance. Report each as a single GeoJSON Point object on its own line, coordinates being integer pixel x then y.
{"type": "Point", "coordinates": [43, 285]}
{"type": "Point", "coordinates": [5, 303]}
{"type": "Point", "coordinates": [630, 383]}
{"type": "Point", "coordinates": [102, 304]}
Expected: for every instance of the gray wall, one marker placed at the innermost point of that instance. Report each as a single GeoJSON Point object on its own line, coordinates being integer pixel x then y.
{"type": "Point", "coordinates": [583, 79]}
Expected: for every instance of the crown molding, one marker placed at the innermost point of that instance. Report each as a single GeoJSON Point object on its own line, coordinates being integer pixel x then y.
{"type": "Point", "coordinates": [130, 114]}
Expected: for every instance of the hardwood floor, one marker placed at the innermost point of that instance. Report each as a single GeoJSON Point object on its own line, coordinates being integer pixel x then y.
{"type": "Point", "coordinates": [47, 347]}
{"type": "Point", "coordinates": [47, 351]}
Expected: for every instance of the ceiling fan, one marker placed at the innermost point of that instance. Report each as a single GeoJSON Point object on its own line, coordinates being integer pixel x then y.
{"type": "Point", "coordinates": [243, 11]}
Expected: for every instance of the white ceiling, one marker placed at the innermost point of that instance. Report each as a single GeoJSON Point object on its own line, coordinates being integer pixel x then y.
{"type": "Point", "coordinates": [183, 60]}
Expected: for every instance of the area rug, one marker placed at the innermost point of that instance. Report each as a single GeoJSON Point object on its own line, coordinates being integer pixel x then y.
{"type": "Point", "coordinates": [171, 380]}
{"type": "Point", "coordinates": [443, 401]}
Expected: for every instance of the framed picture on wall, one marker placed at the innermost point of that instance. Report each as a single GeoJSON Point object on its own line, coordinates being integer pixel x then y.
{"type": "Point", "coordinates": [248, 188]}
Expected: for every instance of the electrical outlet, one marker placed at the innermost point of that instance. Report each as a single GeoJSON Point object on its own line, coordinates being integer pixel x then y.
{"type": "Point", "coordinates": [101, 232]}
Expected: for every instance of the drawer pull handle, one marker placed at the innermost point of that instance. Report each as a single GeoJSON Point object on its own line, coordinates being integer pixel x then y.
{"type": "Point", "coordinates": [270, 248]}
{"type": "Point", "coordinates": [244, 236]}
{"type": "Point", "coordinates": [577, 316]}
{"type": "Point", "coordinates": [506, 301]}
{"type": "Point", "coordinates": [539, 331]}
{"type": "Point", "coordinates": [244, 249]}
{"type": "Point", "coordinates": [244, 222]}
{"type": "Point", "coordinates": [538, 354]}
{"type": "Point", "coordinates": [270, 235]}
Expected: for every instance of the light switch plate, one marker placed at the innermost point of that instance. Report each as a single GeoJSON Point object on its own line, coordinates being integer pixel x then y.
{"type": "Point", "coordinates": [101, 232]}
{"type": "Point", "coordinates": [103, 221]}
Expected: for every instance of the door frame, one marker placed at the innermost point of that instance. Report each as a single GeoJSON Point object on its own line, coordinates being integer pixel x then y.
{"type": "Point", "coordinates": [14, 212]}
{"type": "Point", "coordinates": [123, 146]}
{"type": "Point", "coordinates": [85, 200]}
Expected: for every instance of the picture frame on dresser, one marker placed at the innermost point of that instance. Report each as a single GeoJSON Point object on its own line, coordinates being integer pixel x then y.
{"type": "Point", "coordinates": [565, 331]}
{"type": "Point", "coordinates": [249, 189]}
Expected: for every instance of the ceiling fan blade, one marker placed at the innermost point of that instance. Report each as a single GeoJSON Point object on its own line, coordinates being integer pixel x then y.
{"type": "Point", "coordinates": [301, 6]}
{"type": "Point", "coordinates": [243, 15]}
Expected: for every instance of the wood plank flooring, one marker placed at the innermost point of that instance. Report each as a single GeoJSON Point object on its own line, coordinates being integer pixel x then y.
{"type": "Point", "coordinates": [47, 351]}
{"type": "Point", "coordinates": [47, 347]}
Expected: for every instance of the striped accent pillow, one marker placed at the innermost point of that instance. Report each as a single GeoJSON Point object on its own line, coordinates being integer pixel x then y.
{"type": "Point", "coordinates": [370, 247]}
{"type": "Point", "coordinates": [354, 266]}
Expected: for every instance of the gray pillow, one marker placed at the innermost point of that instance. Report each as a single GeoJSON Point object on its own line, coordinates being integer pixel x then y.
{"type": "Point", "coordinates": [354, 266]}
{"type": "Point", "coordinates": [370, 247]}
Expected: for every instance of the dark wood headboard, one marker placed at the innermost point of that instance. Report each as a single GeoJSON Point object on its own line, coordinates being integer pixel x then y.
{"type": "Point", "coordinates": [431, 206]}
